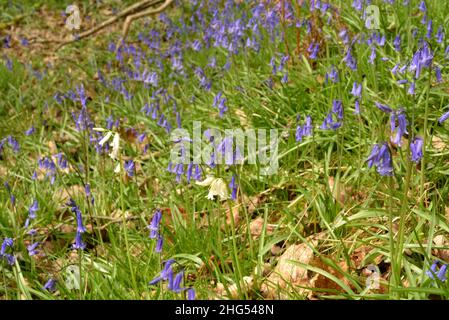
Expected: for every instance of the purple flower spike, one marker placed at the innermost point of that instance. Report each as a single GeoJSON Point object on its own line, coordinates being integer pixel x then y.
{"type": "Point", "coordinates": [50, 285]}
{"type": "Point", "coordinates": [191, 294]}
{"type": "Point", "coordinates": [416, 149]}
{"type": "Point", "coordinates": [154, 225]}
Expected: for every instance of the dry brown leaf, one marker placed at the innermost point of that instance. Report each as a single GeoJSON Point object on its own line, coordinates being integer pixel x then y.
{"type": "Point", "coordinates": [339, 191]}
{"type": "Point", "coordinates": [438, 143]}
{"type": "Point", "coordinates": [256, 227]}
{"type": "Point", "coordinates": [233, 291]}
{"type": "Point", "coordinates": [287, 272]}
{"type": "Point", "coordinates": [441, 241]}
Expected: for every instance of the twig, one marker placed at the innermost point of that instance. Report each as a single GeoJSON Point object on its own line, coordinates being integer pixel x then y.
{"type": "Point", "coordinates": [124, 13]}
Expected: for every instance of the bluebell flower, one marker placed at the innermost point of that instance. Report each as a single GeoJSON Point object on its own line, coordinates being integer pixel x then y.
{"type": "Point", "coordinates": [33, 209]}
{"type": "Point", "coordinates": [175, 286]}
{"type": "Point", "coordinates": [159, 243]}
{"type": "Point", "coordinates": [79, 244]}
{"type": "Point", "coordinates": [273, 65]}
{"type": "Point", "coordinates": [10, 259]}
{"type": "Point", "coordinates": [357, 107]}
{"type": "Point", "coordinates": [30, 131]}
{"type": "Point", "coordinates": [14, 144]}
{"type": "Point", "coordinates": [337, 109]}
{"type": "Point", "coordinates": [313, 50]}
{"type": "Point", "coordinates": [129, 167]}
{"type": "Point", "coordinates": [421, 59]}
{"type": "Point", "coordinates": [443, 117]}
{"type": "Point", "coordinates": [422, 6]}
{"type": "Point", "coordinates": [411, 89]}
{"type": "Point", "coordinates": [7, 242]}
{"type": "Point", "coordinates": [79, 218]}
{"type": "Point", "coordinates": [233, 186]}
{"type": "Point", "coordinates": [373, 55]}
{"type": "Point", "coordinates": [416, 149]}
{"type": "Point", "coordinates": [155, 223]}
{"type": "Point", "coordinates": [400, 128]}
{"type": "Point", "coordinates": [356, 90]}
{"type": "Point", "coordinates": [284, 79]}
{"type": "Point", "coordinates": [350, 61]}
{"type": "Point", "coordinates": [165, 274]}
{"type": "Point", "coordinates": [380, 157]}
{"type": "Point", "coordinates": [440, 34]}
{"type": "Point", "coordinates": [397, 43]}
{"type": "Point", "coordinates": [438, 74]}
{"type": "Point", "coordinates": [190, 294]}
{"type": "Point", "coordinates": [32, 249]}
{"type": "Point", "coordinates": [383, 107]}
{"type": "Point", "coordinates": [333, 75]}
{"type": "Point", "coordinates": [440, 273]}
{"type": "Point", "coordinates": [50, 285]}
{"type": "Point", "coordinates": [429, 29]}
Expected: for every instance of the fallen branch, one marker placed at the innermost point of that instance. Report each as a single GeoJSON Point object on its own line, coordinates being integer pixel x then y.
{"type": "Point", "coordinates": [131, 13]}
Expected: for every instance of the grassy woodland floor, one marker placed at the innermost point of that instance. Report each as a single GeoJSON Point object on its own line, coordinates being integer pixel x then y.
{"type": "Point", "coordinates": [92, 207]}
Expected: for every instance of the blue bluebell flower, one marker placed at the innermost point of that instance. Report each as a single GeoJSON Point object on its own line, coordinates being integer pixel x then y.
{"type": "Point", "coordinates": [155, 223]}
{"type": "Point", "coordinates": [350, 61]}
{"type": "Point", "coordinates": [397, 42]}
{"type": "Point", "coordinates": [438, 74]}
{"type": "Point", "coordinates": [356, 90]}
{"type": "Point", "coordinates": [129, 167]}
{"type": "Point", "coordinates": [400, 129]}
{"type": "Point", "coordinates": [233, 186]}
{"type": "Point", "coordinates": [7, 243]}
{"type": "Point", "coordinates": [79, 218]}
{"type": "Point", "coordinates": [32, 249]}
{"type": "Point", "coordinates": [190, 294]}
{"type": "Point", "coordinates": [50, 285]}
{"type": "Point", "coordinates": [416, 149]}
{"type": "Point", "coordinates": [380, 157]}
{"type": "Point", "coordinates": [383, 107]}
{"type": "Point", "coordinates": [30, 131]}
{"type": "Point", "coordinates": [411, 89]}
{"type": "Point", "coordinates": [443, 117]}
{"type": "Point", "coordinates": [440, 34]}
{"type": "Point", "coordinates": [176, 285]}
{"type": "Point", "coordinates": [165, 274]}
{"type": "Point", "coordinates": [159, 243]}
{"type": "Point", "coordinates": [440, 272]}
{"type": "Point", "coordinates": [33, 209]}
{"type": "Point", "coordinates": [422, 6]}
{"type": "Point", "coordinates": [79, 244]}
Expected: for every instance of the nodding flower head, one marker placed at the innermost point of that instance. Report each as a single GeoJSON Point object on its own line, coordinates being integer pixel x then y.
{"type": "Point", "coordinates": [356, 90]}
{"type": "Point", "coordinates": [233, 186]}
{"type": "Point", "coordinates": [10, 259]}
{"type": "Point", "coordinates": [79, 244]}
{"type": "Point", "coordinates": [383, 107]}
{"type": "Point", "coordinates": [33, 209]}
{"type": "Point", "coordinates": [380, 157]}
{"type": "Point", "coordinates": [416, 149]}
{"type": "Point", "coordinates": [129, 167]}
{"type": "Point", "coordinates": [32, 249]}
{"type": "Point", "coordinates": [400, 129]}
{"type": "Point", "coordinates": [217, 187]}
{"type": "Point", "coordinates": [50, 285]}
{"type": "Point", "coordinates": [79, 218]}
{"type": "Point", "coordinates": [440, 272]}
{"type": "Point", "coordinates": [154, 225]}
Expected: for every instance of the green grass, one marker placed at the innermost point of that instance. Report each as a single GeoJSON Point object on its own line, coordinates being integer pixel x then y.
{"type": "Point", "coordinates": [385, 214]}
